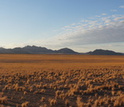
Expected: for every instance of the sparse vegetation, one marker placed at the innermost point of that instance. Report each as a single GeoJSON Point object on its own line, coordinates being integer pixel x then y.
{"type": "Point", "coordinates": [61, 81]}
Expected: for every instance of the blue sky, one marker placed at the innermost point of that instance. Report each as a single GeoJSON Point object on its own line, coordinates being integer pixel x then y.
{"type": "Point", "coordinates": [82, 25]}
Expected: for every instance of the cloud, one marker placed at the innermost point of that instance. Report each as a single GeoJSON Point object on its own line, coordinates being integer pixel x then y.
{"type": "Point", "coordinates": [104, 14]}
{"type": "Point", "coordinates": [121, 6]}
{"type": "Point", "coordinates": [119, 18]}
{"type": "Point", "coordinates": [114, 10]}
{"type": "Point", "coordinates": [103, 30]}
{"type": "Point", "coordinates": [95, 32]}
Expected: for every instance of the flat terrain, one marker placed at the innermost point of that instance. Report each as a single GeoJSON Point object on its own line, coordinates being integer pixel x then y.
{"type": "Point", "coordinates": [61, 81]}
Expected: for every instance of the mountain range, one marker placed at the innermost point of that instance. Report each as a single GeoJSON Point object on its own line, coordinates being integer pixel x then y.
{"type": "Point", "coordinates": [43, 50]}
{"type": "Point", "coordinates": [104, 52]}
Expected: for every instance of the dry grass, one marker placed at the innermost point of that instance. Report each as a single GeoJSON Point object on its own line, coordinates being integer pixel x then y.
{"type": "Point", "coordinates": [61, 81]}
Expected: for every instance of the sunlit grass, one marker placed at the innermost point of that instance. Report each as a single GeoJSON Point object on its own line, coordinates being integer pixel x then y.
{"type": "Point", "coordinates": [61, 80]}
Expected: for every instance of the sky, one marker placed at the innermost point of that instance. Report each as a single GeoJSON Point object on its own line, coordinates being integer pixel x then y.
{"type": "Point", "coordinates": [82, 25]}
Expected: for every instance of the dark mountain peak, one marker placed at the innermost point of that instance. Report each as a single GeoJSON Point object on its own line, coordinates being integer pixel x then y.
{"type": "Point", "coordinates": [1, 48]}
{"type": "Point", "coordinates": [63, 49]}
{"type": "Point", "coordinates": [66, 51]}
{"type": "Point", "coordinates": [37, 49]}
{"type": "Point", "coordinates": [103, 52]}
{"type": "Point", "coordinates": [33, 47]}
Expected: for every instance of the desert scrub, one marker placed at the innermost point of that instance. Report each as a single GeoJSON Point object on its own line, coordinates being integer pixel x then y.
{"type": "Point", "coordinates": [71, 83]}
{"type": "Point", "coordinates": [119, 102]}
{"type": "Point", "coordinates": [79, 102]}
{"type": "Point", "coordinates": [25, 104]}
{"type": "Point", "coordinates": [52, 102]}
{"type": "Point", "coordinates": [3, 100]}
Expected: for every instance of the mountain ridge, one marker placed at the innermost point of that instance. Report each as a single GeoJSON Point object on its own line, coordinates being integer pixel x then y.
{"type": "Point", "coordinates": [43, 50]}
{"type": "Point", "coordinates": [36, 50]}
{"type": "Point", "coordinates": [104, 52]}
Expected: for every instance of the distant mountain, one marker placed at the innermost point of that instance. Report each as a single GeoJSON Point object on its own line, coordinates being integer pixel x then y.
{"type": "Point", "coordinates": [103, 52]}
{"type": "Point", "coordinates": [66, 51]}
{"type": "Point", "coordinates": [36, 50]}
{"type": "Point", "coordinates": [43, 50]}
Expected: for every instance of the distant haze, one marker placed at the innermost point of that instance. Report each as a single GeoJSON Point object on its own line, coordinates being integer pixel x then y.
{"type": "Point", "coordinates": [82, 25]}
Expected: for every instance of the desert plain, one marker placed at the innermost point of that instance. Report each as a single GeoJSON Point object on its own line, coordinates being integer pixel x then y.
{"type": "Point", "coordinates": [33, 80]}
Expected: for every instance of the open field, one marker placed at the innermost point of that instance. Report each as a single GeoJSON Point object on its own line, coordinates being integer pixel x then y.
{"type": "Point", "coordinates": [61, 81]}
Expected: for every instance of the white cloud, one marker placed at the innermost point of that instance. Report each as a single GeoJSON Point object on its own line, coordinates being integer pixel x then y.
{"type": "Point", "coordinates": [98, 31]}
{"type": "Point", "coordinates": [104, 14]}
{"type": "Point", "coordinates": [113, 10]}
{"type": "Point", "coordinates": [121, 6]}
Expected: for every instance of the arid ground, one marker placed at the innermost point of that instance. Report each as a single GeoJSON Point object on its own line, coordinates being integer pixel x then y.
{"type": "Point", "coordinates": [61, 81]}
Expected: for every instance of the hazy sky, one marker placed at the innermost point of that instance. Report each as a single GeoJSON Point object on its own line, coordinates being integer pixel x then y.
{"type": "Point", "coordinates": [82, 25]}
